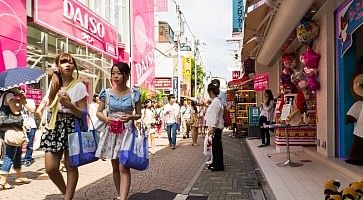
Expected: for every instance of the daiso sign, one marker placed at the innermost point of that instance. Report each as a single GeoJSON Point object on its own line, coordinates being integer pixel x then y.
{"type": "Point", "coordinates": [89, 23]}
{"type": "Point", "coordinates": [72, 19]}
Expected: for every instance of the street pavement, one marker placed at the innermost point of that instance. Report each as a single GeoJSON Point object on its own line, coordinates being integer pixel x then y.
{"type": "Point", "coordinates": [173, 174]}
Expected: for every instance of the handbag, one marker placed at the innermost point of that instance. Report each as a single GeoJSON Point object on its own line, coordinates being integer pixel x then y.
{"type": "Point", "coordinates": [207, 145]}
{"type": "Point", "coordinates": [134, 151]}
{"type": "Point", "coordinates": [100, 125]}
{"type": "Point", "coordinates": [82, 144]}
{"type": "Point", "coordinates": [15, 137]}
{"type": "Point", "coordinates": [7, 118]}
{"type": "Point", "coordinates": [116, 127]}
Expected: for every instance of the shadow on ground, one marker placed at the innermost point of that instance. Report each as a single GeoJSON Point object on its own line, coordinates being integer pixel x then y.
{"type": "Point", "coordinates": [155, 194]}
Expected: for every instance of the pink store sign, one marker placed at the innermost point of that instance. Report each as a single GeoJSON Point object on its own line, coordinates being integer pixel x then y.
{"type": "Point", "coordinates": [260, 82]}
{"type": "Point", "coordinates": [143, 68]}
{"type": "Point", "coordinates": [13, 34]}
{"type": "Point", "coordinates": [77, 22]}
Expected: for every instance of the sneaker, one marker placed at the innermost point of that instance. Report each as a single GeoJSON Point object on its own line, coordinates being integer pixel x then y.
{"type": "Point", "coordinates": [28, 163]}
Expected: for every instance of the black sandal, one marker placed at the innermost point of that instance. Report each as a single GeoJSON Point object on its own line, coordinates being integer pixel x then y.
{"type": "Point", "coordinates": [6, 186]}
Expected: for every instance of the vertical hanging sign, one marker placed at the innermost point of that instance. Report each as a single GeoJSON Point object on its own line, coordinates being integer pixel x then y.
{"type": "Point", "coordinates": [143, 44]}
{"type": "Point", "coordinates": [238, 16]}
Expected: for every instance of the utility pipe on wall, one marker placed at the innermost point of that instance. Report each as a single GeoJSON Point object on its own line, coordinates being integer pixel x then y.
{"type": "Point", "coordinates": [285, 21]}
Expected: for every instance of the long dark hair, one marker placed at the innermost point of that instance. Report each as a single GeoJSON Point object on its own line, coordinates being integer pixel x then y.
{"type": "Point", "coordinates": [270, 97]}
{"type": "Point", "coordinates": [56, 80]}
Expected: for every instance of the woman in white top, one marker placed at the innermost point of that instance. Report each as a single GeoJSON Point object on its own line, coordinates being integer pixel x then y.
{"type": "Point", "coordinates": [148, 118]}
{"type": "Point", "coordinates": [266, 117]}
{"type": "Point", "coordinates": [67, 101]}
{"type": "Point", "coordinates": [215, 124]}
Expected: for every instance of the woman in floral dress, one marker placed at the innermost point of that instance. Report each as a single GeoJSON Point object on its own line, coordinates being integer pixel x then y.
{"type": "Point", "coordinates": [124, 107]}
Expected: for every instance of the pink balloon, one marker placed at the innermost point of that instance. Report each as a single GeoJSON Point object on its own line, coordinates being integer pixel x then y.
{"type": "Point", "coordinates": [310, 58]}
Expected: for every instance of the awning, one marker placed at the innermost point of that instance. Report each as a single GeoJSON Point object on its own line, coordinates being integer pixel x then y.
{"type": "Point", "coordinates": [240, 82]}
{"type": "Point", "coordinates": [253, 25]}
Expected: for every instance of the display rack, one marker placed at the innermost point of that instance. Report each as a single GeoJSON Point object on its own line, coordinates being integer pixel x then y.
{"type": "Point", "coordinates": [239, 100]}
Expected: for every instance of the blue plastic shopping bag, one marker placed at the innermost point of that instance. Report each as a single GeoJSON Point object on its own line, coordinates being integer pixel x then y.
{"type": "Point", "coordinates": [82, 145]}
{"type": "Point", "coordinates": [134, 151]}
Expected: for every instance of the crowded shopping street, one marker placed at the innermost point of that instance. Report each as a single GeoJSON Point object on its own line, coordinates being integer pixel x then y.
{"type": "Point", "coordinates": [181, 100]}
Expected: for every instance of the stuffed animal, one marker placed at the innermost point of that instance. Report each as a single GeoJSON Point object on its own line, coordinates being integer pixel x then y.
{"type": "Point", "coordinates": [349, 194]}
{"type": "Point", "coordinates": [355, 115]}
{"type": "Point", "coordinates": [288, 60]}
{"type": "Point", "coordinates": [331, 188]}
{"type": "Point", "coordinates": [358, 187]}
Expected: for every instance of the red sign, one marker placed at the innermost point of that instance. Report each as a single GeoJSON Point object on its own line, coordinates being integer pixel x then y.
{"type": "Point", "coordinates": [163, 83]}
{"type": "Point", "coordinates": [34, 94]}
{"type": "Point", "coordinates": [260, 82]}
{"type": "Point", "coordinates": [236, 75]}
{"type": "Point", "coordinates": [72, 19]}
{"type": "Point", "coordinates": [143, 44]}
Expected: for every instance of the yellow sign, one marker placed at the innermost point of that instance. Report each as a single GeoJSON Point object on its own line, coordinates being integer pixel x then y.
{"type": "Point", "coordinates": [187, 68]}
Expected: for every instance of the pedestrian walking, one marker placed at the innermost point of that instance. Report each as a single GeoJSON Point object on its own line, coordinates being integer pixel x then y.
{"type": "Point", "coordinates": [93, 107]}
{"type": "Point", "coordinates": [171, 113]}
{"type": "Point", "coordinates": [266, 117]}
{"type": "Point", "coordinates": [185, 112]}
{"type": "Point", "coordinates": [201, 118]}
{"type": "Point", "coordinates": [12, 102]}
{"type": "Point", "coordinates": [66, 101]}
{"type": "Point", "coordinates": [159, 118]}
{"type": "Point", "coordinates": [215, 125]}
{"type": "Point", "coordinates": [194, 123]}
{"type": "Point", "coordinates": [123, 108]}
{"type": "Point", "coordinates": [148, 119]}
{"type": "Point", "coordinates": [31, 127]}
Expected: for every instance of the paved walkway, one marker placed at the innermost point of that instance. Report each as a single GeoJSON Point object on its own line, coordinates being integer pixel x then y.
{"type": "Point", "coordinates": [169, 174]}
{"type": "Point", "coordinates": [178, 174]}
{"type": "Point", "coordinates": [240, 180]}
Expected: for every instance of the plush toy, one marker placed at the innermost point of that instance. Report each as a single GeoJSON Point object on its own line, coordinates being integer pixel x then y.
{"type": "Point", "coordinates": [349, 194]}
{"type": "Point", "coordinates": [331, 188]}
{"type": "Point", "coordinates": [296, 99]}
{"type": "Point", "coordinates": [355, 115]}
{"type": "Point", "coordinates": [288, 60]}
{"type": "Point", "coordinates": [358, 187]}
{"type": "Point", "coordinates": [285, 77]}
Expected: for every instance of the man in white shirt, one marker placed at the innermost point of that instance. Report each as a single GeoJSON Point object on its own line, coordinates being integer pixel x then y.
{"type": "Point", "coordinates": [171, 114]}
{"type": "Point", "coordinates": [185, 113]}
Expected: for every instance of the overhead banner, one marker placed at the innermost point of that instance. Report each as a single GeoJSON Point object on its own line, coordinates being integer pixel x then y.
{"type": "Point", "coordinates": [187, 68]}
{"type": "Point", "coordinates": [260, 82]}
{"type": "Point", "coordinates": [349, 19]}
{"type": "Point", "coordinates": [143, 45]}
{"type": "Point", "coordinates": [238, 16]}
{"type": "Point", "coordinates": [72, 19]}
{"type": "Point", "coordinates": [13, 34]}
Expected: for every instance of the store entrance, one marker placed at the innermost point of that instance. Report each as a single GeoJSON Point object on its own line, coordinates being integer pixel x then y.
{"type": "Point", "coordinates": [347, 60]}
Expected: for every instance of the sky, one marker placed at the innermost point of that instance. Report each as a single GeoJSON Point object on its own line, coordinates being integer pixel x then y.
{"type": "Point", "coordinates": [211, 22]}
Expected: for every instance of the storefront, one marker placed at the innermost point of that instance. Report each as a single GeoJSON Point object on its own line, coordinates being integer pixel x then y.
{"type": "Point", "coordinates": [349, 49]}
{"type": "Point", "coordinates": [69, 26]}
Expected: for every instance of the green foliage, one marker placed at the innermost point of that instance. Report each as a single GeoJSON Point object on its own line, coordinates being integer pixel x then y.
{"type": "Point", "coordinates": [200, 77]}
{"type": "Point", "coordinates": [144, 95]}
